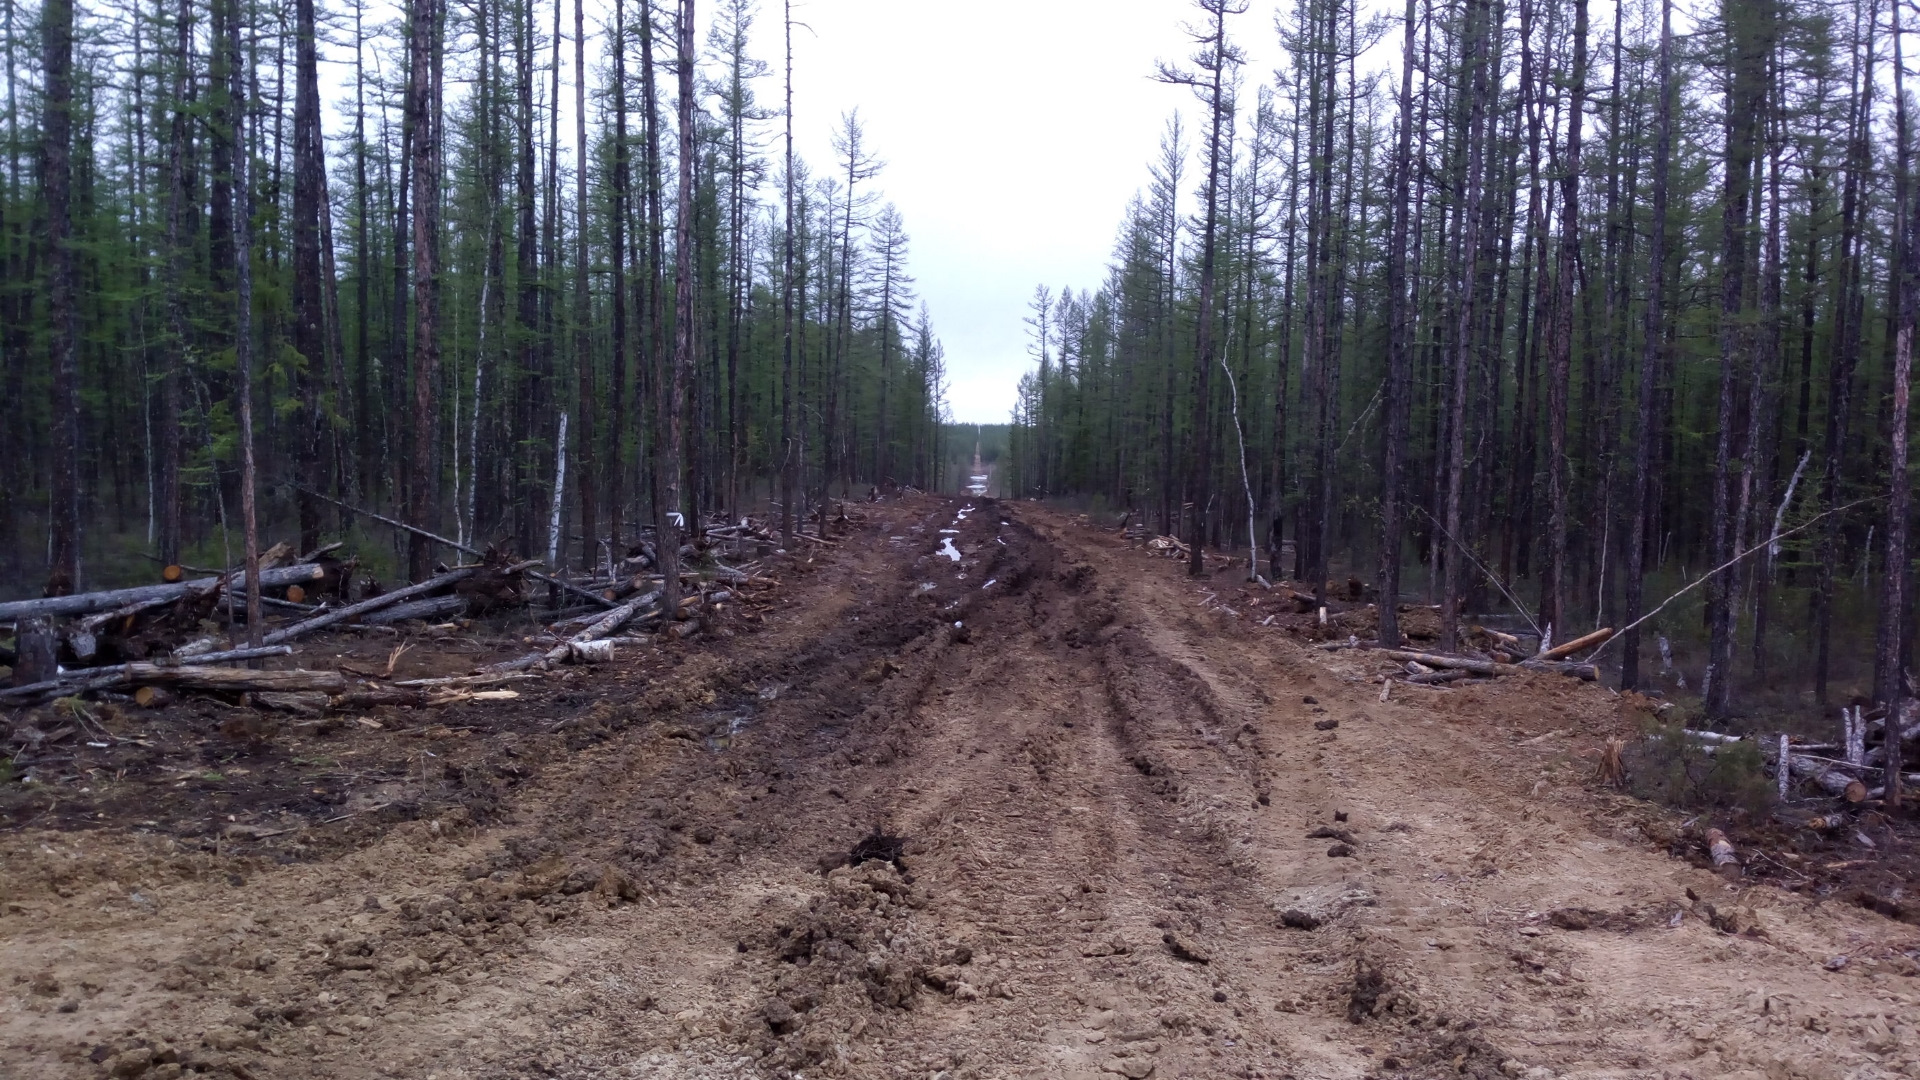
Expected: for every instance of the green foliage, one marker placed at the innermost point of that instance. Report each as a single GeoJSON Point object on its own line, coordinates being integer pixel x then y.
{"type": "Point", "coordinates": [1668, 767]}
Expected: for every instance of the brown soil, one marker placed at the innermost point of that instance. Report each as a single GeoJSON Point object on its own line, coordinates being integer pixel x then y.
{"type": "Point", "coordinates": [1041, 812]}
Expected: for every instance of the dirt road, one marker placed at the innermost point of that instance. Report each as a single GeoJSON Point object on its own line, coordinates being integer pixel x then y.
{"type": "Point", "coordinates": [1136, 842]}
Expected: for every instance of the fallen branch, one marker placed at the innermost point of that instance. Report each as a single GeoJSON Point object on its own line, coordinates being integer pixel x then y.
{"type": "Point", "coordinates": [308, 626]}
{"type": "Point", "coordinates": [88, 603]}
{"type": "Point", "coordinates": [434, 607]}
{"type": "Point", "coordinates": [200, 674]}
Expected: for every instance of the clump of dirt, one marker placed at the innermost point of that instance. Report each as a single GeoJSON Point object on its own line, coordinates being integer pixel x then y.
{"type": "Point", "coordinates": [877, 846]}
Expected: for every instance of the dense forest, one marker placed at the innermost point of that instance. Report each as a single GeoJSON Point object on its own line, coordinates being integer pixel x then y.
{"type": "Point", "coordinates": [1545, 309]}
{"type": "Point", "coordinates": [428, 296]}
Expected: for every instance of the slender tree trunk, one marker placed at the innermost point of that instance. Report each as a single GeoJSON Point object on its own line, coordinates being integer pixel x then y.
{"type": "Point", "coordinates": [1398, 331]}
{"type": "Point", "coordinates": [174, 355]}
{"type": "Point", "coordinates": [1203, 345]}
{"type": "Point", "coordinates": [309, 188]}
{"type": "Point", "coordinates": [1553, 598]}
{"type": "Point", "coordinates": [620, 182]}
{"type": "Point", "coordinates": [582, 311]}
{"type": "Point", "coordinates": [789, 465]}
{"type": "Point", "coordinates": [1655, 335]}
{"type": "Point", "coordinates": [422, 108]}
{"type": "Point", "coordinates": [527, 271]}
{"type": "Point", "coordinates": [1847, 305]}
{"type": "Point", "coordinates": [243, 296]}
{"type": "Point", "coordinates": [671, 521]}
{"type": "Point", "coordinates": [56, 184]}
{"type": "Point", "coordinates": [1889, 653]}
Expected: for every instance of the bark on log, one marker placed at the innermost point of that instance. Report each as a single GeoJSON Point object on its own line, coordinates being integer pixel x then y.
{"type": "Point", "coordinates": [1460, 663]}
{"type": "Point", "coordinates": [1594, 640]}
{"type": "Point", "coordinates": [369, 699]}
{"type": "Point", "coordinates": [232, 680]}
{"type": "Point", "coordinates": [197, 675]}
{"type": "Point", "coordinates": [354, 610]}
{"type": "Point", "coordinates": [87, 603]}
{"type": "Point", "coordinates": [432, 608]}
{"type": "Point", "coordinates": [1434, 678]}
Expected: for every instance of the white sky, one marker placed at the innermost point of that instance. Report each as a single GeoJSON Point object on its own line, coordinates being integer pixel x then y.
{"type": "Point", "coordinates": [1014, 131]}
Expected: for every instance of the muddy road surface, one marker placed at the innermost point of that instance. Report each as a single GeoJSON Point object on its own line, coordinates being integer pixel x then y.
{"type": "Point", "coordinates": [1031, 812]}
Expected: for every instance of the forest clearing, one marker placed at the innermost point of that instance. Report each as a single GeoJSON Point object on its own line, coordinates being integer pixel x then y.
{"type": "Point", "coordinates": [493, 583]}
{"type": "Point", "coordinates": [1048, 810]}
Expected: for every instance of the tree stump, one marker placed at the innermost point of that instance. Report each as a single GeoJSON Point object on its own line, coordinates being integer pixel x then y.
{"type": "Point", "coordinates": [35, 646]}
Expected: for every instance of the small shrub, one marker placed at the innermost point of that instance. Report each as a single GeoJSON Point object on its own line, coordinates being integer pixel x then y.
{"type": "Point", "coordinates": [1668, 767]}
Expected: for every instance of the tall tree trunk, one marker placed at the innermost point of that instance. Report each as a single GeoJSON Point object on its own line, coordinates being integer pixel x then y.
{"type": "Point", "coordinates": [309, 188]}
{"type": "Point", "coordinates": [582, 312]}
{"type": "Point", "coordinates": [1889, 652]}
{"type": "Point", "coordinates": [671, 521]}
{"type": "Point", "coordinates": [620, 182]}
{"type": "Point", "coordinates": [527, 272]}
{"type": "Point", "coordinates": [1553, 598]}
{"type": "Point", "coordinates": [789, 463]}
{"type": "Point", "coordinates": [1655, 335]}
{"type": "Point", "coordinates": [1847, 309]}
{"type": "Point", "coordinates": [1749, 31]}
{"type": "Point", "coordinates": [1214, 63]}
{"type": "Point", "coordinates": [174, 354]}
{"type": "Point", "coordinates": [422, 116]}
{"type": "Point", "coordinates": [1398, 332]}
{"type": "Point", "coordinates": [243, 291]}
{"type": "Point", "coordinates": [56, 184]}
{"type": "Point", "coordinates": [1474, 63]}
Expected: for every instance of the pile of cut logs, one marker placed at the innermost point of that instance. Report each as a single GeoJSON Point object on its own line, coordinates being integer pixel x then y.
{"type": "Point", "coordinates": [149, 641]}
{"type": "Point", "coordinates": [1505, 657]}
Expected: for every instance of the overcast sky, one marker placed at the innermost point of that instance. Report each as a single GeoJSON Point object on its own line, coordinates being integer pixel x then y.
{"type": "Point", "coordinates": [1014, 131]}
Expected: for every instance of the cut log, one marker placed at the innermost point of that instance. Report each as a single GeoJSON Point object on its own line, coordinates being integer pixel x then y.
{"type": "Point", "coordinates": [1498, 637]}
{"type": "Point", "coordinates": [1721, 849]}
{"type": "Point", "coordinates": [300, 629]}
{"type": "Point", "coordinates": [87, 603]}
{"type": "Point", "coordinates": [1590, 641]}
{"type": "Point", "coordinates": [1433, 678]}
{"type": "Point", "coordinates": [172, 573]}
{"type": "Point", "coordinates": [1459, 663]}
{"type": "Point", "coordinates": [197, 675]}
{"type": "Point", "coordinates": [432, 609]}
{"type": "Point", "coordinates": [232, 680]}
{"type": "Point", "coordinates": [300, 702]}
{"type": "Point", "coordinates": [35, 646]}
{"type": "Point", "coordinates": [371, 699]}
{"type": "Point", "coordinates": [483, 679]}
{"type": "Point", "coordinates": [152, 697]}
